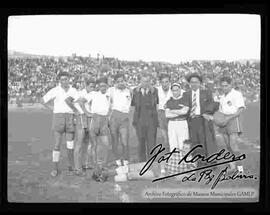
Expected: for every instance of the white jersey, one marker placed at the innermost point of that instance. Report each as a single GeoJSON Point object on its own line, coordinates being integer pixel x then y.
{"type": "Point", "coordinates": [83, 94]}
{"type": "Point", "coordinates": [59, 95]}
{"type": "Point", "coordinates": [163, 97]}
{"type": "Point", "coordinates": [120, 99]}
{"type": "Point", "coordinates": [230, 103]}
{"type": "Point", "coordinates": [100, 103]}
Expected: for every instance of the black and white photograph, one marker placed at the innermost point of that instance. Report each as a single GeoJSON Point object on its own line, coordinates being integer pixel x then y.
{"type": "Point", "coordinates": [134, 108]}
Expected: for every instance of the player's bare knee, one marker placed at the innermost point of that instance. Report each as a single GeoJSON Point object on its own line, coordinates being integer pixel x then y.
{"type": "Point", "coordinates": [124, 133]}
{"type": "Point", "coordinates": [124, 140]}
{"type": "Point", "coordinates": [77, 147]}
{"type": "Point", "coordinates": [233, 137]}
{"type": "Point", "coordinates": [233, 142]}
{"type": "Point", "coordinates": [56, 147]}
{"type": "Point", "coordinates": [69, 136]}
{"type": "Point", "coordinates": [57, 137]}
{"type": "Point", "coordinates": [114, 136]}
{"type": "Point", "coordinates": [105, 140]}
{"type": "Point", "coordinates": [79, 141]}
{"type": "Point", "coordinates": [93, 146]}
{"type": "Point", "coordinates": [92, 136]}
{"type": "Point", "coordinates": [164, 133]}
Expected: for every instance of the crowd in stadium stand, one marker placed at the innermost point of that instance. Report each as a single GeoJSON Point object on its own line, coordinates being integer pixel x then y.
{"type": "Point", "coordinates": [30, 78]}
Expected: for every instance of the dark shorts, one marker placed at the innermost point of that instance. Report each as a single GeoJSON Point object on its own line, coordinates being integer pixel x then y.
{"type": "Point", "coordinates": [118, 120]}
{"type": "Point", "coordinates": [63, 122]}
{"type": "Point", "coordinates": [234, 126]}
{"type": "Point", "coordinates": [83, 121]}
{"type": "Point", "coordinates": [162, 120]}
{"type": "Point", "coordinates": [99, 125]}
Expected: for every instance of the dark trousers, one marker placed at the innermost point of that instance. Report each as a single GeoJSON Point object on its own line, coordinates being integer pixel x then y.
{"type": "Point", "coordinates": [197, 137]}
{"type": "Point", "coordinates": [146, 133]}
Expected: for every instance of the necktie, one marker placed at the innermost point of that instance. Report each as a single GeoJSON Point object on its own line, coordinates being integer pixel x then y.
{"type": "Point", "coordinates": [194, 105]}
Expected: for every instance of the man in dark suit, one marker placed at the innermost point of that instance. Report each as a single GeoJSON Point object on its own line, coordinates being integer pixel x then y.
{"type": "Point", "coordinates": [201, 107]}
{"type": "Point", "coordinates": [145, 118]}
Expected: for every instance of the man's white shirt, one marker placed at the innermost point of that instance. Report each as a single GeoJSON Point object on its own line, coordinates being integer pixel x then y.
{"type": "Point", "coordinates": [230, 103]}
{"type": "Point", "coordinates": [83, 94]}
{"type": "Point", "coordinates": [100, 103]}
{"type": "Point", "coordinates": [163, 97]}
{"type": "Point", "coordinates": [120, 99]}
{"type": "Point", "coordinates": [58, 95]}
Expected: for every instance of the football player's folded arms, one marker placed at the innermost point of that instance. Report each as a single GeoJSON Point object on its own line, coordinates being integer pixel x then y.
{"type": "Point", "coordinates": [176, 112]}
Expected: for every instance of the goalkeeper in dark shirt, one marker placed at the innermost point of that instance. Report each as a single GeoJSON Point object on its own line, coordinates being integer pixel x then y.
{"type": "Point", "coordinates": [176, 110]}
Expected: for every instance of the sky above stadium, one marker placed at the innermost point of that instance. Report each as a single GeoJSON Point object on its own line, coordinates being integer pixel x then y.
{"type": "Point", "coordinates": [169, 38]}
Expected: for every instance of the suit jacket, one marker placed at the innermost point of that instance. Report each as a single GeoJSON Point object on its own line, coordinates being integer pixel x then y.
{"type": "Point", "coordinates": [208, 106]}
{"type": "Point", "coordinates": [136, 102]}
{"type": "Point", "coordinates": [207, 103]}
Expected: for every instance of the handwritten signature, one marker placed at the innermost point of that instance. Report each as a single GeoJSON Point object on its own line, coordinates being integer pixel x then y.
{"type": "Point", "coordinates": [220, 158]}
{"type": "Point", "coordinates": [209, 176]}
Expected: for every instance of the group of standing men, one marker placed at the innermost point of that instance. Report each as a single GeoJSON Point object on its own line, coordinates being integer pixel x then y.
{"type": "Point", "coordinates": [101, 115]}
